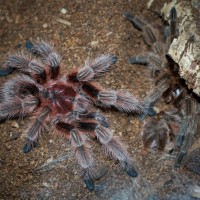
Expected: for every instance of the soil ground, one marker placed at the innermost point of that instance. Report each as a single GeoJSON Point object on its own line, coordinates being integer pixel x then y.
{"type": "Point", "coordinates": [90, 28]}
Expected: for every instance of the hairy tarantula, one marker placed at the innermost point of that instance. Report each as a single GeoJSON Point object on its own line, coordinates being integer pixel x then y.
{"type": "Point", "coordinates": [182, 120]}
{"type": "Point", "coordinates": [66, 103]}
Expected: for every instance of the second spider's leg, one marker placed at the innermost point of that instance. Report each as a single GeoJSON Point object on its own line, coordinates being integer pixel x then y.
{"type": "Point", "coordinates": [159, 90]}
{"type": "Point", "coordinates": [33, 132]}
{"type": "Point", "coordinates": [149, 33]}
{"type": "Point", "coordinates": [188, 129]}
{"type": "Point", "coordinates": [152, 60]}
{"type": "Point", "coordinates": [122, 101]}
{"type": "Point", "coordinates": [92, 69]}
{"type": "Point", "coordinates": [173, 23]}
{"type": "Point", "coordinates": [82, 151]}
{"type": "Point", "coordinates": [49, 56]}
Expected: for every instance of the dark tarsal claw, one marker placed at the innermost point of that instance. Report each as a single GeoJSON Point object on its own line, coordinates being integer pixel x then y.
{"type": "Point", "coordinates": [29, 45]}
{"type": "Point", "coordinates": [29, 145]}
{"type": "Point", "coordinates": [151, 112]}
{"type": "Point", "coordinates": [179, 140]}
{"type": "Point", "coordinates": [134, 20]}
{"type": "Point", "coordinates": [130, 170]}
{"type": "Point", "coordinates": [114, 60]}
{"type": "Point", "coordinates": [89, 184]}
{"type": "Point", "coordinates": [173, 13]}
{"type": "Point", "coordinates": [5, 72]}
{"type": "Point", "coordinates": [180, 158]}
{"type": "Point", "coordinates": [140, 60]}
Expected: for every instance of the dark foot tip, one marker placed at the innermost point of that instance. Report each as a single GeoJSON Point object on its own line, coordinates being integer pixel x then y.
{"type": "Point", "coordinates": [151, 112]}
{"type": "Point", "coordinates": [29, 145]}
{"type": "Point", "coordinates": [29, 45]}
{"type": "Point", "coordinates": [127, 15]}
{"type": "Point", "coordinates": [132, 172]}
{"type": "Point", "coordinates": [180, 159]}
{"type": "Point", "coordinates": [114, 59]}
{"type": "Point", "coordinates": [89, 184]}
{"type": "Point", "coordinates": [132, 60]}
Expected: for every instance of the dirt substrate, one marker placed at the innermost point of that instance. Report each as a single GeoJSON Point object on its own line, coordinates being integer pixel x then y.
{"type": "Point", "coordinates": [87, 29]}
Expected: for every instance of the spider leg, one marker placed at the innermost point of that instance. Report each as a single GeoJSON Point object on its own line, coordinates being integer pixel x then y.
{"type": "Point", "coordinates": [48, 55]}
{"type": "Point", "coordinates": [111, 145]}
{"type": "Point", "coordinates": [5, 72]}
{"type": "Point", "coordinates": [82, 151]}
{"type": "Point", "coordinates": [26, 65]}
{"type": "Point", "coordinates": [173, 23]}
{"type": "Point", "coordinates": [95, 116]}
{"type": "Point", "coordinates": [155, 133]}
{"type": "Point", "coordinates": [157, 92]}
{"type": "Point", "coordinates": [149, 33]}
{"type": "Point", "coordinates": [188, 129]}
{"type": "Point", "coordinates": [18, 107]}
{"type": "Point", "coordinates": [92, 68]}
{"type": "Point", "coordinates": [20, 86]}
{"type": "Point", "coordinates": [34, 131]}
{"type": "Point", "coordinates": [137, 23]}
{"type": "Point", "coordinates": [122, 101]}
{"type": "Point", "coordinates": [152, 60]}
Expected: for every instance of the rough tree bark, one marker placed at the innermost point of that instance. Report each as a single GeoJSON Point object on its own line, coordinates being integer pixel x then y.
{"type": "Point", "coordinates": [185, 49]}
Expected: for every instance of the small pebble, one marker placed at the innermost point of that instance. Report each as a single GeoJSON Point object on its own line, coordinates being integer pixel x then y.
{"type": "Point", "coordinates": [46, 184]}
{"type": "Point", "coordinates": [15, 125]}
{"type": "Point", "coordinates": [63, 11]}
{"type": "Point", "coordinates": [45, 25]}
{"type": "Point", "coordinates": [94, 43]}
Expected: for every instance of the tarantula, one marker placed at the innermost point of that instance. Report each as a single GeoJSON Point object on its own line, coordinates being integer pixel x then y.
{"type": "Point", "coordinates": [182, 120]}
{"type": "Point", "coordinates": [66, 103]}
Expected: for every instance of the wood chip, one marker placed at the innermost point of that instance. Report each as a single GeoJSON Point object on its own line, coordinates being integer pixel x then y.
{"type": "Point", "coordinates": [63, 21]}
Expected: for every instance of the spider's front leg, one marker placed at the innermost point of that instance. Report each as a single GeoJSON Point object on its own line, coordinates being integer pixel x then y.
{"type": "Point", "coordinates": [49, 57]}
{"type": "Point", "coordinates": [26, 65]}
{"type": "Point", "coordinates": [122, 101]}
{"type": "Point", "coordinates": [150, 35]}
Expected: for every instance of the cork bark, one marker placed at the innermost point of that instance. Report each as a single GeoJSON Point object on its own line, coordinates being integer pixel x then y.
{"type": "Point", "coordinates": [185, 49]}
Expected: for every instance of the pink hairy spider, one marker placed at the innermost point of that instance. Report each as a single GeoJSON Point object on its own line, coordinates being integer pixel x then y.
{"type": "Point", "coordinates": [67, 103]}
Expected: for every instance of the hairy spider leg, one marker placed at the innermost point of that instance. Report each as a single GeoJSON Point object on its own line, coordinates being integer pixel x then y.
{"type": "Point", "coordinates": [111, 145]}
{"type": "Point", "coordinates": [48, 56]}
{"type": "Point", "coordinates": [92, 69]}
{"type": "Point", "coordinates": [188, 129]}
{"type": "Point", "coordinates": [122, 101]}
{"type": "Point", "coordinates": [76, 133]}
{"type": "Point", "coordinates": [150, 37]}
{"type": "Point", "coordinates": [19, 87]}
{"type": "Point", "coordinates": [18, 107]}
{"type": "Point", "coordinates": [26, 65]}
{"type": "Point", "coordinates": [33, 132]}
